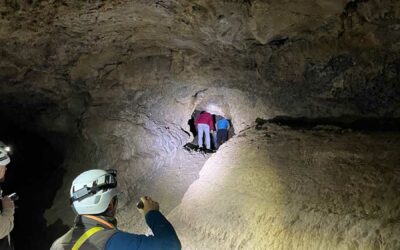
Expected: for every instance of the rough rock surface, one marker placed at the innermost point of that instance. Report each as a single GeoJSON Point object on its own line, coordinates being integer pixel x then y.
{"type": "Point", "coordinates": [296, 58]}
{"type": "Point", "coordinates": [122, 78]}
{"type": "Point", "coordinates": [279, 188]}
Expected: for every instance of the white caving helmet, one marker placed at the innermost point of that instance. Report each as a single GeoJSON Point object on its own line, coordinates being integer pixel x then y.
{"type": "Point", "coordinates": [92, 191]}
{"type": "Point", "coordinates": [4, 158]}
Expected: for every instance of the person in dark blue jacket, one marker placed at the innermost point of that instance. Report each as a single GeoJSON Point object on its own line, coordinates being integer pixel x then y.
{"type": "Point", "coordinates": [223, 125]}
{"type": "Point", "coordinates": [94, 199]}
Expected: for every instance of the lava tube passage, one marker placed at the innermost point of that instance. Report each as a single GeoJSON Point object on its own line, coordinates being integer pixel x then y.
{"type": "Point", "coordinates": [199, 124]}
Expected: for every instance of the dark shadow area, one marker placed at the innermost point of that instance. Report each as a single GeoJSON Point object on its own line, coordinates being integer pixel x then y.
{"type": "Point", "coordinates": [193, 129]}
{"type": "Point", "coordinates": [193, 146]}
{"type": "Point", "coordinates": [35, 174]}
{"type": "Point", "coordinates": [345, 122]}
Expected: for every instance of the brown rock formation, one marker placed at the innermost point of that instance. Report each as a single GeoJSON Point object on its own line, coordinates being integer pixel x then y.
{"type": "Point", "coordinates": [120, 79]}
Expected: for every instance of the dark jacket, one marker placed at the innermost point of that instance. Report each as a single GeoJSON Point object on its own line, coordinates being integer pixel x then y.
{"type": "Point", "coordinates": [164, 236]}
{"type": "Point", "coordinates": [114, 239]}
{"type": "Point", "coordinates": [6, 243]}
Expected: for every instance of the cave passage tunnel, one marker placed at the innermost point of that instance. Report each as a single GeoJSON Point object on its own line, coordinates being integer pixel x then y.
{"type": "Point", "coordinates": [311, 90]}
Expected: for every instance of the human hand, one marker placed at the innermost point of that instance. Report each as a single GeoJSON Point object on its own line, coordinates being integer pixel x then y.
{"type": "Point", "coordinates": [7, 203]}
{"type": "Point", "coordinates": [148, 205]}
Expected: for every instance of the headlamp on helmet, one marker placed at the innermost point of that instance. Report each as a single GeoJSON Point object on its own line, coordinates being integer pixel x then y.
{"type": "Point", "coordinates": [92, 191]}
{"type": "Point", "coordinates": [4, 158]}
{"type": "Point", "coordinates": [5, 147]}
{"type": "Point", "coordinates": [102, 183]}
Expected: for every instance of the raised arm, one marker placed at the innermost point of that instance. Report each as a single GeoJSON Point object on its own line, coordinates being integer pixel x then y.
{"type": "Point", "coordinates": [164, 235]}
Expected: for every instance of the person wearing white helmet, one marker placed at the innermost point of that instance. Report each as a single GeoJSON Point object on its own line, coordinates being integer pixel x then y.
{"type": "Point", "coordinates": [7, 211]}
{"type": "Point", "coordinates": [93, 196]}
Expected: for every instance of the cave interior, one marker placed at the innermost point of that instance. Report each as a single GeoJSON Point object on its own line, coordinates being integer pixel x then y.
{"type": "Point", "coordinates": [311, 89]}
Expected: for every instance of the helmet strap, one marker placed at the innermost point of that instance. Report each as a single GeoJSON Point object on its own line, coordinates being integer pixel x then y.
{"type": "Point", "coordinates": [100, 220]}
{"type": "Point", "coordinates": [112, 207]}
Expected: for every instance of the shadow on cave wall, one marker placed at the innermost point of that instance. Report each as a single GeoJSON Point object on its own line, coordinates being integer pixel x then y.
{"type": "Point", "coordinates": [35, 173]}
{"type": "Point", "coordinates": [375, 124]}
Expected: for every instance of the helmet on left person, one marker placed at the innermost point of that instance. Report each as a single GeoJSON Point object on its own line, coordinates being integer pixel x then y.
{"type": "Point", "coordinates": [4, 158]}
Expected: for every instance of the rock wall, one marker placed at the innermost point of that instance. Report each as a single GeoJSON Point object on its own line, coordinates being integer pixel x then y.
{"type": "Point", "coordinates": [280, 188]}
{"type": "Point", "coordinates": [122, 78]}
{"type": "Point", "coordinates": [142, 136]}
{"type": "Point", "coordinates": [297, 58]}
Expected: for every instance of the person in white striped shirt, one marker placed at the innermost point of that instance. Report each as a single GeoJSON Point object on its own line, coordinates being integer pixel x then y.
{"type": "Point", "coordinates": [7, 211]}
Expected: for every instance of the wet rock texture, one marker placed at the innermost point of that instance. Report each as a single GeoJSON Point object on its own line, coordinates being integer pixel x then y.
{"type": "Point", "coordinates": [122, 78]}
{"type": "Point", "coordinates": [280, 188]}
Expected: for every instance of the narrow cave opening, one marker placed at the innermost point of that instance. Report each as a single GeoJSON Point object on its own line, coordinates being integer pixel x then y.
{"type": "Point", "coordinates": [217, 138]}
{"type": "Point", "coordinates": [35, 174]}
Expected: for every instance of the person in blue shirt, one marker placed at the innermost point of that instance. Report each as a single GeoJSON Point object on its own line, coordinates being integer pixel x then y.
{"type": "Point", "coordinates": [94, 199]}
{"type": "Point", "coordinates": [222, 131]}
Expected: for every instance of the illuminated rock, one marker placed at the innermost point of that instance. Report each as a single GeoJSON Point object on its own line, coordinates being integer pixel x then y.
{"type": "Point", "coordinates": [295, 189]}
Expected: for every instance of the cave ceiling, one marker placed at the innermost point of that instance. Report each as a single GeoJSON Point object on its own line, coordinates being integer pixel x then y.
{"type": "Point", "coordinates": [68, 54]}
